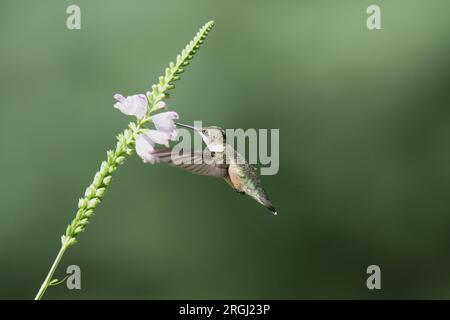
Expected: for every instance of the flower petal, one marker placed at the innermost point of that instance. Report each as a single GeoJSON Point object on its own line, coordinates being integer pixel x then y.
{"type": "Point", "coordinates": [144, 149]}
{"type": "Point", "coordinates": [159, 137]}
{"type": "Point", "coordinates": [165, 122]}
{"type": "Point", "coordinates": [119, 97]}
{"type": "Point", "coordinates": [135, 105]}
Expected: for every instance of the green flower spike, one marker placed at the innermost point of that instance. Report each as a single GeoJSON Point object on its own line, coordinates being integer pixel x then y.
{"type": "Point", "coordinates": [95, 192]}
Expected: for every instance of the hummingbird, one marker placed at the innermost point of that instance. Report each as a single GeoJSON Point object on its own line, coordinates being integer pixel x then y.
{"type": "Point", "coordinates": [223, 162]}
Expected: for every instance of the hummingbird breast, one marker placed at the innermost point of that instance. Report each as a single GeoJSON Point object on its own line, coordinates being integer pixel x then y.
{"type": "Point", "coordinates": [243, 177]}
{"type": "Point", "coordinates": [235, 178]}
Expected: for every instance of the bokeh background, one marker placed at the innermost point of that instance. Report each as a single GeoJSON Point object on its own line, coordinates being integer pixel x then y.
{"type": "Point", "coordinates": [364, 119]}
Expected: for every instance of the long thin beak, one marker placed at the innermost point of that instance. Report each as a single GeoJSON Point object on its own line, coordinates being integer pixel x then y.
{"type": "Point", "coordinates": [185, 125]}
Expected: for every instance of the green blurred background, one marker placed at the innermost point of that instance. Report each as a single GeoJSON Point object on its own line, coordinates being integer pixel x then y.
{"type": "Point", "coordinates": [364, 120]}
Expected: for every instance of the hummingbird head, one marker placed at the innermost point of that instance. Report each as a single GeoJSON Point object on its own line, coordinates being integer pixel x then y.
{"type": "Point", "coordinates": [213, 136]}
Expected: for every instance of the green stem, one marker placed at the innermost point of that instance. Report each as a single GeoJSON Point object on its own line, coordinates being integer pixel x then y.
{"type": "Point", "coordinates": [49, 277]}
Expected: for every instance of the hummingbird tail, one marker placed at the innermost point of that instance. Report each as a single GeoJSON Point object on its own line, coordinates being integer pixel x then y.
{"type": "Point", "coordinates": [272, 208]}
{"type": "Point", "coordinates": [264, 200]}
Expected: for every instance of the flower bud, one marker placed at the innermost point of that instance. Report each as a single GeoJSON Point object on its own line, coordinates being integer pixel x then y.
{"type": "Point", "coordinates": [127, 134]}
{"type": "Point", "coordinates": [104, 168]}
{"type": "Point", "coordinates": [83, 222]}
{"type": "Point", "coordinates": [89, 213]}
{"type": "Point", "coordinates": [110, 155]}
{"type": "Point", "coordinates": [120, 160]}
{"type": "Point", "coordinates": [79, 214]}
{"type": "Point", "coordinates": [112, 168]}
{"type": "Point", "coordinates": [100, 192]}
{"type": "Point", "coordinates": [93, 203]}
{"type": "Point", "coordinates": [107, 180]}
{"type": "Point", "coordinates": [82, 203]}
{"type": "Point", "coordinates": [89, 191]}
{"type": "Point", "coordinates": [78, 230]}
{"type": "Point", "coordinates": [97, 180]}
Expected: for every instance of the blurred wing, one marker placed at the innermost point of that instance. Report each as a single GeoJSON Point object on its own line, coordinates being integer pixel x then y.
{"type": "Point", "coordinates": [191, 161]}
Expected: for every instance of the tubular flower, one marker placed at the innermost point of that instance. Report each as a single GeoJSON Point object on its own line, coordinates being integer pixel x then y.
{"type": "Point", "coordinates": [135, 105]}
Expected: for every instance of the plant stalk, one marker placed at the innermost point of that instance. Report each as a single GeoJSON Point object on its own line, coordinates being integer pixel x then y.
{"type": "Point", "coordinates": [49, 277]}
{"type": "Point", "coordinates": [125, 144]}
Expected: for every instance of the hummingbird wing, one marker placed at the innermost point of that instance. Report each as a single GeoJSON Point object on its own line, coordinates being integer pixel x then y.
{"type": "Point", "coordinates": [192, 161]}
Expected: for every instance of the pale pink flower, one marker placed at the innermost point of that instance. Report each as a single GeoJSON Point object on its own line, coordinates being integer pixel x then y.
{"type": "Point", "coordinates": [158, 137]}
{"type": "Point", "coordinates": [164, 122]}
{"type": "Point", "coordinates": [135, 105]}
{"type": "Point", "coordinates": [145, 144]}
{"type": "Point", "coordinates": [144, 148]}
